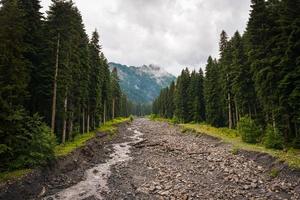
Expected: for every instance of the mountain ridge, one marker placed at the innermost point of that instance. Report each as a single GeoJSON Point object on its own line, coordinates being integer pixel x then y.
{"type": "Point", "coordinates": [142, 84]}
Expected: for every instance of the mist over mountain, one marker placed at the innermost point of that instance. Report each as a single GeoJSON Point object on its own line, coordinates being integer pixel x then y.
{"type": "Point", "coordinates": [142, 84]}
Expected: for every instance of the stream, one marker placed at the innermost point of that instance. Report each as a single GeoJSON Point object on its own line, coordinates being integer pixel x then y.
{"type": "Point", "coordinates": [95, 183]}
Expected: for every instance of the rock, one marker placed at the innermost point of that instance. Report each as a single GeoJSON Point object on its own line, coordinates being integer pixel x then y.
{"type": "Point", "coordinates": [246, 187]}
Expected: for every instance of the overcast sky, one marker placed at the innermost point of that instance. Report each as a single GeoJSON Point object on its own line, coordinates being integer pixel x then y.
{"type": "Point", "coordinates": [170, 33]}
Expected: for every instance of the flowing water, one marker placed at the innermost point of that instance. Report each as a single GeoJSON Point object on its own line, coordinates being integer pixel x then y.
{"type": "Point", "coordinates": [96, 179]}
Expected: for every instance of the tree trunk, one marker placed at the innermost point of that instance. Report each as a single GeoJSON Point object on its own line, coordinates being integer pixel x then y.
{"type": "Point", "coordinates": [104, 113]}
{"type": "Point", "coordinates": [55, 86]}
{"type": "Point", "coordinates": [229, 111]}
{"type": "Point", "coordinates": [65, 120]}
{"type": "Point", "coordinates": [236, 111]}
{"type": "Point", "coordinates": [88, 123]}
{"type": "Point", "coordinates": [113, 108]}
{"type": "Point", "coordinates": [70, 126]}
{"type": "Point", "coordinates": [273, 120]}
{"type": "Point", "coordinates": [83, 121]}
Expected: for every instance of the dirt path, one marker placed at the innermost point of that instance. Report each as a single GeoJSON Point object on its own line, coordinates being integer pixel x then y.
{"type": "Point", "coordinates": [154, 160]}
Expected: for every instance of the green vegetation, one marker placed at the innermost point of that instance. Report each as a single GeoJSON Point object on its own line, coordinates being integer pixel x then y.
{"type": "Point", "coordinates": [50, 60]}
{"type": "Point", "coordinates": [13, 175]}
{"type": "Point", "coordinates": [248, 129]}
{"type": "Point", "coordinates": [273, 139]}
{"type": "Point", "coordinates": [65, 149]}
{"type": "Point", "coordinates": [274, 172]}
{"type": "Point", "coordinates": [80, 140]}
{"type": "Point", "coordinates": [28, 144]}
{"type": "Point", "coordinates": [253, 84]}
{"type": "Point", "coordinates": [235, 151]}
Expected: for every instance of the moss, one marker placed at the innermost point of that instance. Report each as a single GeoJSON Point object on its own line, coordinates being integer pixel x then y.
{"type": "Point", "coordinates": [274, 172]}
{"type": "Point", "coordinates": [13, 175]}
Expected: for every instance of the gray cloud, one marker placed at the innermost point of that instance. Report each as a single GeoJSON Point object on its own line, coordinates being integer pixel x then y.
{"type": "Point", "coordinates": [170, 33]}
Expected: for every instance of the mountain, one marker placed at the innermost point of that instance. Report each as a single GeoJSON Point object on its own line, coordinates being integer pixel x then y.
{"type": "Point", "coordinates": [142, 84]}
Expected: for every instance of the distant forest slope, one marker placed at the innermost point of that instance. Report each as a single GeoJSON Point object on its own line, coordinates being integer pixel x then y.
{"type": "Point", "coordinates": [142, 84]}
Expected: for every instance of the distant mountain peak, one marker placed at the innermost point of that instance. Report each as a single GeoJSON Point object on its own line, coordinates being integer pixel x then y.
{"type": "Point", "coordinates": [142, 84]}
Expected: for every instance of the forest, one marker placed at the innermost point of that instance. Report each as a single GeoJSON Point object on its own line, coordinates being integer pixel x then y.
{"type": "Point", "coordinates": [55, 82]}
{"type": "Point", "coordinates": [254, 85]}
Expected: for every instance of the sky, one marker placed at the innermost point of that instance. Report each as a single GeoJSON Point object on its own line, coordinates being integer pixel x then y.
{"type": "Point", "coordinates": [173, 34]}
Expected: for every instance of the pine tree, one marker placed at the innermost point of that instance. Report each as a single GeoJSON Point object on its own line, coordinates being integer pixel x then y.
{"type": "Point", "coordinates": [33, 37]}
{"type": "Point", "coordinates": [213, 97]}
{"type": "Point", "coordinates": [115, 91]}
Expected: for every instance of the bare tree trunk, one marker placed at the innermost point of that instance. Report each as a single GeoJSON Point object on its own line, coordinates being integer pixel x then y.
{"type": "Point", "coordinates": [113, 108]}
{"type": "Point", "coordinates": [70, 126]}
{"type": "Point", "coordinates": [236, 111]}
{"type": "Point", "coordinates": [65, 120]}
{"type": "Point", "coordinates": [273, 120]}
{"type": "Point", "coordinates": [229, 111]}
{"type": "Point", "coordinates": [83, 121]}
{"type": "Point", "coordinates": [88, 123]}
{"type": "Point", "coordinates": [55, 86]}
{"type": "Point", "coordinates": [104, 113]}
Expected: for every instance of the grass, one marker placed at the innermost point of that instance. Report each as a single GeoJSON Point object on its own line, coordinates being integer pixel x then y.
{"type": "Point", "coordinates": [291, 157]}
{"type": "Point", "coordinates": [274, 172]}
{"type": "Point", "coordinates": [65, 149]}
{"type": "Point", "coordinates": [13, 175]}
{"type": "Point", "coordinates": [80, 140]}
{"type": "Point", "coordinates": [110, 126]}
{"type": "Point", "coordinates": [68, 147]}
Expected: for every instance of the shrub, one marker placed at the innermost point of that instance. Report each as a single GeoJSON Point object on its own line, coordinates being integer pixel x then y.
{"type": "Point", "coordinates": [27, 142]}
{"type": "Point", "coordinates": [248, 129]}
{"type": "Point", "coordinates": [273, 139]}
{"type": "Point", "coordinates": [131, 118]}
{"type": "Point", "coordinates": [175, 120]}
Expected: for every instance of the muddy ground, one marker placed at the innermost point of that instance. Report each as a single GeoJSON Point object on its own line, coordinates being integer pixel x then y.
{"type": "Point", "coordinates": [163, 163]}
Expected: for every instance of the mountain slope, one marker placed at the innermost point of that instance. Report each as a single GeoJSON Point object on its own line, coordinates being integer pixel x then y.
{"type": "Point", "coordinates": [142, 84]}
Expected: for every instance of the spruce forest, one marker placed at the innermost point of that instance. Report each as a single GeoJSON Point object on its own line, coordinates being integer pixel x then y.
{"type": "Point", "coordinates": [55, 82]}
{"type": "Point", "coordinates": [253, 86]}
{"type": "Point", "coordinates": [100, 115]}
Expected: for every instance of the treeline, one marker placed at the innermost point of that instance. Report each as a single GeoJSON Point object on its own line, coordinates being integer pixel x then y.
{"type": "Point", "coordinates": [254, 85]}
{"type": "Point", "coordinates": [54, 80]}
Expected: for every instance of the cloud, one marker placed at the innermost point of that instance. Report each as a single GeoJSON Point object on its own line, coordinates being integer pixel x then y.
{"type": "Point", "coordinates": [171, 33]}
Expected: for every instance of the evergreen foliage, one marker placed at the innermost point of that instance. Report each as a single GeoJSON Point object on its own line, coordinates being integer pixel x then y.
{"type": "Point", "coordinates": [249, 130]}
{"type": "Point", "coordinates": [255, 79]}
{"type": "Point", "coordinates": [50, 61]}
{"type": "Point", "coordinates": [273, 139]}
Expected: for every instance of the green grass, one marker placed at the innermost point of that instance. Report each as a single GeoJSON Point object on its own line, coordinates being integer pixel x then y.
{"type": "Point", "coordinates": [274, 172]}
{"type": "Point", "coordinates": [13, 175]}
{"type": "Point", "coordinates": [80, 140]}
{"type": "Point", "coordinates": [160, 119]}
{"type": "Point", "coordinates": [68, 147]}
{"type": "Point", "coordinates": [291, 157]}
{"type": "Point", "coordinates": [110, 126]}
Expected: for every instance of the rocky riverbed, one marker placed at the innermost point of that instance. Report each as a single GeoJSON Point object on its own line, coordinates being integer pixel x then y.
{"type": "Point", "coordinates": [155, 160]}
{"type": "Point", "coordinates": [168, 164]}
